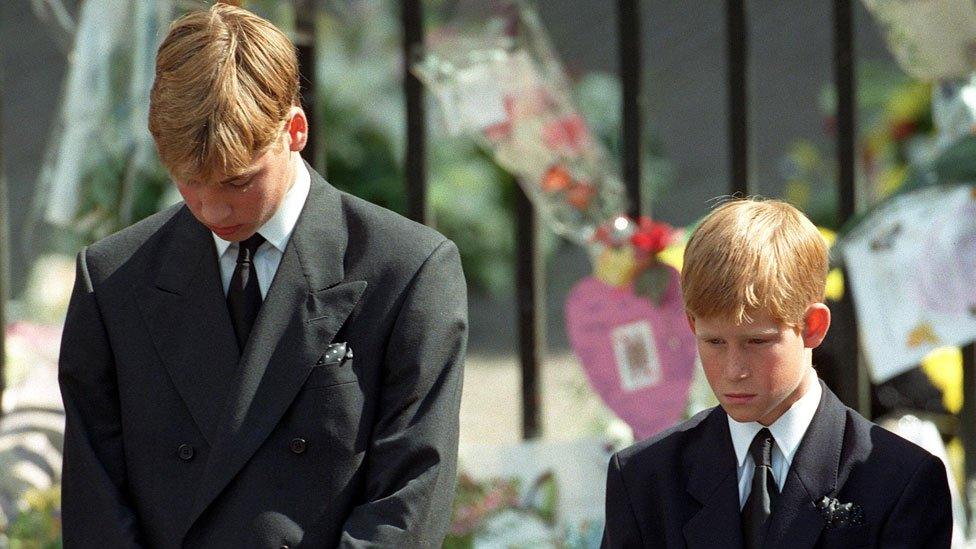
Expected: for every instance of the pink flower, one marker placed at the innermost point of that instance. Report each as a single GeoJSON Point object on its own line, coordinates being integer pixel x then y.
{"type": "Point", "coordinates": [568, 134]}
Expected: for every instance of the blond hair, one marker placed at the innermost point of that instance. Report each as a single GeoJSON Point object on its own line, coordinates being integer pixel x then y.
{"type": "Point", "coordinates": [225, 82]}
{"type": "Point", "coordinates": [754, 255]}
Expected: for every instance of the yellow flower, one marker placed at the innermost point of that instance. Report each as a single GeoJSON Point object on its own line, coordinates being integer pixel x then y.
{"type": "Point", "coordinates": [943, 366]}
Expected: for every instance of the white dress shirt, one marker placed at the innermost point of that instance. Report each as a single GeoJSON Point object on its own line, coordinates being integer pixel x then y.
{"type": "Point", "coordinates": [276, 232]}
{"type": "Point", "coordinates": [787, 432]}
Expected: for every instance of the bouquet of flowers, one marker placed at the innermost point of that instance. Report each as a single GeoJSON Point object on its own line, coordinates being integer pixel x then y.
{"type": "Point", "coordinates": [495, 513]}
{"type": "Point", "coordinates": [507, 87]}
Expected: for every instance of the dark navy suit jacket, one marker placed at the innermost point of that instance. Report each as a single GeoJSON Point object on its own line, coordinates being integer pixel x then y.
{"type": "Point", "coordinates": [679, 489]}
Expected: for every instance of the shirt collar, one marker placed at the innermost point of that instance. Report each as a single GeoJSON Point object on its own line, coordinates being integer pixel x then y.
{"type": "Point", "coordinates": [277, 230]}
{"type": "Point", "coordinates": [788, 430]}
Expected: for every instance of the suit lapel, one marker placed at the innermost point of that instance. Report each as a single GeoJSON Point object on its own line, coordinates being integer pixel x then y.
{"type": "Point", "coordinates": [713, 482]}
{"type": "Point", "coordinates": [188, 319]}
{"type": "Point", "coordinates": [796, 521]}
{"type": "Point", "coordinates": [306, 306]}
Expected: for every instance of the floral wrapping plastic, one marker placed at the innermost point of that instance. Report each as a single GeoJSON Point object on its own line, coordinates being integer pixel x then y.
{"type": "Point", "coordinates": [953, 110]}
{"type": "Point", "coordinates": [101, 158]}
{"type": "Point", "coordinates": [507, 86]}
{"type": "Point", "coordinates": [931, 39]}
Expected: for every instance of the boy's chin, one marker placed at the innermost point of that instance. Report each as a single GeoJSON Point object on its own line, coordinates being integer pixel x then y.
{"type": "Point", "coordinates": [742, 414]}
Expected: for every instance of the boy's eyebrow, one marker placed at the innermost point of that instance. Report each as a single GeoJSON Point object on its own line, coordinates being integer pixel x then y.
{"type": "Point", "coordinates": [766, 332]}
{"type": "Point", "coordinates": [758, 333]}
{"type": "Point", "coordinates": [239, 176]}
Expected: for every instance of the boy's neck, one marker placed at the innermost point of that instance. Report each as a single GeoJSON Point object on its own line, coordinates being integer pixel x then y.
{"type": "Point", "coordinates": [809, 378]}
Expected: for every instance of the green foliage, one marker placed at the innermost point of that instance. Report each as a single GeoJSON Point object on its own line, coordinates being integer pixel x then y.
{"type": "Point", "coordinates": [895, 123]}
{"type": "Point", "coordinates": [957, 164]}
{"type": "Point", "coordinates": [38, 525]}
{"type": "Point", "coordinates": [117, 194]}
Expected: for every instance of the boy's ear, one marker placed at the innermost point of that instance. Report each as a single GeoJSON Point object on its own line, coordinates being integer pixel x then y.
{"type": "Point", "coordinates": [816, 322]}
{"type": "Point", "coordinates": [297, 128]}
{"type": "Point", "coordinates": [691, 322]}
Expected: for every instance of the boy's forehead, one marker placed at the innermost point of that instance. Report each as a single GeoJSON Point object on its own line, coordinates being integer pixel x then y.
{"type": "Point", "coordinates": [759, 322]}
{"type": "Point", "coordinates": [215, 176]}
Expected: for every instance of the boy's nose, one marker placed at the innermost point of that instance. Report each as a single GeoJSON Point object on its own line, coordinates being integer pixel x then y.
{"type": "Point", "coordinates": [214, 212]}
{"type": "Point", "coordinates": [736, 370]}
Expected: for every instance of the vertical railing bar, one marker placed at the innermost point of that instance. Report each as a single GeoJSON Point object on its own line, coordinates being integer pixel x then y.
{"type": "Point", "coordinates": [967, 425]}
{"type": "Point", "coordinates": [4, 266]}
{"type": "Point", "coordinates": [852, 383]}
{"type": "Point", "coordinates": [629, 35]}
{"type": "Point", "coordinates": [416, 153]}
{"type": "Point", "coordinates": [529, 297]}
{"type": "Point", "coordinates": [738, 113]}
{"type": "Point", "coordinates": [529, 292]}
{"type": "Point", "coordinates": [844, 82]}
{"type": "Point", "coordinates": [305, 43]}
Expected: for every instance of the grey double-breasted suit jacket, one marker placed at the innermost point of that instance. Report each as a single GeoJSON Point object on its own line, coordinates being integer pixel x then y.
{"type": "Point", "coordinates": [174, 438]}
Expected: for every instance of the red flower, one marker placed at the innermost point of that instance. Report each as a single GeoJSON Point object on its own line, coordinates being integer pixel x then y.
{"type": "Point", "coordinates": [556, 179]}
{"type": "Point", "coordinates": [602, 234]}
{"type": "Point", "coordinates": [902, 130]}
{"type": "Point", "coordinates": [651, 237]}
{"type": "Point", "coordinates": [580, 195]}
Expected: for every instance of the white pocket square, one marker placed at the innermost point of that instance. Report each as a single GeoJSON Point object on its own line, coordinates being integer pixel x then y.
{"type": "Point", "coordinates": [335, 353]}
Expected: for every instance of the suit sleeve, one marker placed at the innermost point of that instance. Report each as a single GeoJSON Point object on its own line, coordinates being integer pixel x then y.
{"type": "Point", "coordinates": [922, 517]}
{"type": "Point", "coordinates": [621, 530]}
{"type": "Point", "coordinates": [411, 467]}
{"type": "Point", "coordinates": [94, 510]}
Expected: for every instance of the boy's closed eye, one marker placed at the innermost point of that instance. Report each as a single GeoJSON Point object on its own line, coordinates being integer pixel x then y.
{"type": "Point", "coordinates": [239, 183]}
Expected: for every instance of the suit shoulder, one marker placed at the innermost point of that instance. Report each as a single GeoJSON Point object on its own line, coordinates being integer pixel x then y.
{"type": "Point", "coordinates": [398, 237]}
{"type": "Point", "coordinates": [108, 253]}
{"type": "Point", "coordinates": [665, 446]}
{"type": "Point", "coordinates": [886, 448]}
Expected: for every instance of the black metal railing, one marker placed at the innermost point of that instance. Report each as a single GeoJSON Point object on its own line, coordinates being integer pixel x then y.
{"type": "Point", "coordinates": [738, 40]}
{"type": "Point", "coordinates": [4, 266]}
{"type": "Point", "coordinates": [851, 384]}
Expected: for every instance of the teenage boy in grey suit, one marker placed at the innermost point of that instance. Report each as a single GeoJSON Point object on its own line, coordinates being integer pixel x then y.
{"type": "Point", "coordinates": [272, 362]}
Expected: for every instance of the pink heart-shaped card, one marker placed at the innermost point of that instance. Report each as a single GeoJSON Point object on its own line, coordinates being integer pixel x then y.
{"type": "Point", "coordinates": [638, 357]}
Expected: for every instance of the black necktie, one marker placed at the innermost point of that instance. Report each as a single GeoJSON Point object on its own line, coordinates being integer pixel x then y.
{"type": "Point", "coordinates": [244, 294]}
{"type": "Point", "coordinates": [762, 497]}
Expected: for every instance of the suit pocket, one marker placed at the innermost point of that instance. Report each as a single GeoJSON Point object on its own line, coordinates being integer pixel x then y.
{"type": "Point", "coordinates": [329, 375]}
{"type": "Point", "coordinates": [846, 538]}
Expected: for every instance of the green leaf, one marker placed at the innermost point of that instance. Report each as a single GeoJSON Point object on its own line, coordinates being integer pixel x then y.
{"type": "Point", "coordinates": [958, 162]}
{"type": "Point", "coordinates": [653, 283]}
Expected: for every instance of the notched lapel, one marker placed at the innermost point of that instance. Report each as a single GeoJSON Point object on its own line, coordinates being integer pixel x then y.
{"type": "Point", "coordinates": [713, 482]}
{"type": "Point", "coordinates": [796, 521]}
{"type": "Point", "coordinates": [187, 317]}
{"type": "Point", "coordinates": [292, 329]}
{"type": "Point", "coordinates": [306, 305]}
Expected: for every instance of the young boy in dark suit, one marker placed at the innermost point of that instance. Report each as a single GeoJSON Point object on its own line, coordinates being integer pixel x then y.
{"type": "Point", "coordinates": [781, 463]}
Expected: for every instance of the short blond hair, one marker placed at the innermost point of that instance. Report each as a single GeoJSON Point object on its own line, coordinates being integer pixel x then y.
{"type": "Point", "coordinates": [225, 82]}
{"type": "Point", "coordinates": [752, 255]}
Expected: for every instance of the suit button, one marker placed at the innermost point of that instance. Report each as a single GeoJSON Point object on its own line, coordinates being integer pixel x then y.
{"type": "Point", "coordinates": [297, 445]}
{"type": "Point", "coordinates": [284, 547]}
{"type": "Point", "coordinates": [185, 451]}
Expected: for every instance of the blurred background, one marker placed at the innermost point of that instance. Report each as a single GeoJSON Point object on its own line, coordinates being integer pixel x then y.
{"type": "Point", "coordinates": [724, 96]}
